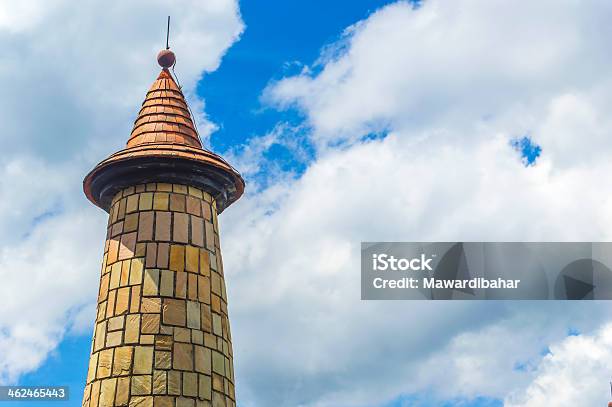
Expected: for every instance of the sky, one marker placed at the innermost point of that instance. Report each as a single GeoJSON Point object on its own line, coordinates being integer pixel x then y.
{"type": "Point", "coordinates": [469, 120]}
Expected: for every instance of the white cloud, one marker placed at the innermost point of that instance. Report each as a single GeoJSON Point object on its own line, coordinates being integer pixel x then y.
{"type": "Point", "coordinates": [73, 77]}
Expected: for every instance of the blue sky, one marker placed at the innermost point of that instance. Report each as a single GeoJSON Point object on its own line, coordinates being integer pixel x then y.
{"type": "Point", "coordinates": [352, 121]}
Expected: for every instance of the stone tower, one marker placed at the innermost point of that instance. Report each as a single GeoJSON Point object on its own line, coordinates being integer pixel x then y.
{"type": "Point", "coordinates": [161, 335]}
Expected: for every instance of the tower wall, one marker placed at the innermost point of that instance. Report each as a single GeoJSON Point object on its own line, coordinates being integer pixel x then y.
{"type": "Point", "coordinates": [162, 334]}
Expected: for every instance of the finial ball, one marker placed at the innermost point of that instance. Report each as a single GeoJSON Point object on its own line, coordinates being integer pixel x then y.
{"type": "Point", "coordinates": [166, 58]}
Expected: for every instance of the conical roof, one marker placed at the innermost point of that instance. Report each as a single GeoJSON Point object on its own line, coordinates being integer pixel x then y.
{"type": "Point", "coordinates": [164, 146]}
{"type": "Point", "coordinates": [164, 116]}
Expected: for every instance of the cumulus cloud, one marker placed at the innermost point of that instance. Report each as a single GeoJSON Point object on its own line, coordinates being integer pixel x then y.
{"type": "Point", "coordinates": [411, 115]}
{"type": "Point", "coordinates": [73, 77]}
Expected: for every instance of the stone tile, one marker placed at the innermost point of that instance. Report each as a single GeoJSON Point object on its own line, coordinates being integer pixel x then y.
{"type": "Point", "coordinates": [193, 257]}
{"type": "Point", "coordinates": [183, 356]}
{"type": "Point", "coordinates": [162, 226]}
{"type": "Point", "coordinates": [218, 400]}
{"type": "Point", "coordinates": [217, 330]}
{"type": "Point", "coordinates": [135, 299]}
{"type": "Point", "coordinates": [123, 391]}
{"type": "Point", "coordinates": [141, 385]}
{"type": "Point", "coordinates": [202, 357]}
{"type": "Point", "coordinates": [204, 289]}
{"type": "Point", "coordinates": [151, 258]}
{"type": "Point", "coordinates": [149, 324]}
{"type": "Point", "coordinates": [177, 257]}
{"type": "Point", "coordinates": [217, 382]}
{"type": "Point", "coordinates": [147, 339]}
{"type": "Point", "coordinates": [164, 401]}
{"type": "Point", "coordinates": [174, 312]}
{"type": "Point", "coordinates": [194, 206]}
{"type": "Point", "coordinates": [145, 226]}
{"type": "Point", "coordinates": [182, 335]}
{"type": "Point", "coordinates": [114, 338]}
{"type": "Point", "coordinates": [215, 283]}
{"type": "Point", "coordinates": [95, 393]}
{"type": "Point", "coordinates": [195, 192]}
{"type": "Point", "coordinates": [192, 287]}
{"type": "Point", "coordinates": [206, 212]}
{"type": "Point", "coordinates": [185, 402]}
{"type": "Point", "coordinates": [93, 365]}
{"type": "Point", "coordinates": [163, 342]}
{"type": "Point", "coordinates": [127, 246]}
{"type": "Point", "coordinates": [143, 359]}
{"type": "Point", "coordinates": [136, 268]}
{"type": "Point", "coordinates": [131, 204]}
{"type": "Point", "coordinates": [125, 273]}
{"type": "Point", "coordinates": [151, 282]}
{"type": "Point", "coordinates": [123, 361]}
{"type": "Point", "coordinates": [181, 284]}
{"type": "Point", "coordinates": [218, 362]}
{"type": "Point", "coordinates": [204, 262]}
{"type": "Point", "coordinates": [123, 301]}
{"type": "Point", "coordinates": [100, 336]}
{"type": "Point", "coordinates": [159, 382]}
{"type": "Point", "coordinates": [146, 202]}
{"type": "Point", "coordinates": [163, 360]}
{"type": "Point", "coordinates": [107, 392]}
{"type": "Point", "coordinates": [131, 223]}
{"type": "Point", "coordinates": [210, 236]}
{"type": "Point", "coordinates": [113, 250]}
{"type": "Point", "coordinates": [167, 283]}
{"type": "Point", "coordinates": [193, 314]}
{"type": "Point", "coordinates": [205, 391]}
{"type": "Point", "coordinates": [105, 363]}
{"type": "Point", "coordinates": [146, 401]}
{"type": "Point", "coordinates": [197, 231]}
{"type": "Point", "coordinates": [163, 253]}
{"type": "Point", "coordinates": [174, 382]}
{"type": "Point", "coordinates": [190, 384]}
{"type": "Point", "coordinates": [160, 201]}
{"type": "Point", "coordinates": [181, 228]}
{"type": "Point", "coordinates": [151, 305]}
{"type": "Point", "coordinates": [206, 318]}
{"type": "Point", "coordinates": [103, 293]}
{"type": "Point", "coordinates": [164, 186]}
{"type": "Point", "coordinates": [177, 202]}
{"type": "Point", "coordinates": [115, 275]}
{"type": "Point", "coordinates": [141, 249]}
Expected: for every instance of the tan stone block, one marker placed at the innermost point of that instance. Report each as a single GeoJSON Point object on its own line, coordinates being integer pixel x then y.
{"type": "Point", "coordinates": [164, 401]}
{"type": "Point", "coordinates": [125, 273]}
{"type": "Point", "coordinates": [206, 211]}
{"type": "Point", "coordinates": [218, 363]}
{"type": "Point", "coordinates": [132, 328]}
{"type": "Point", "coordinates": [177, 202]}
{"type": "Point", "coordinates": [167, 283]}
{"type": "Point", "coordinates": [181, 284]}
{"type": "Point", "coordinates": [195, 192]}
{"type": "Point", "coordinates": [146, 401]}
{"type": "Point", "coordinates": [123, 361]}
{"type": "Point", "coordinates": [202, 357]}
{"type": "Point", "coordinates": [197, 336]}
{"type": "Point", "coordinates": [136, 268]}
{"type": "Point", "coordinates": [177, 257]}
{"type": "Point", "coordinates": [192, 286]}
{"type": "Point", "coordinates": [103, 293]}
{"type": "Point", "coordinates": [147, 339]}
{"type": "Point", "coordinates": [174, 312]}
{"type": "Point", "coordinates": [113, 250]}
{"type": "Point", "coordinates": [193, 257]}
{"type": "Point", "coordinates": [181, 228]}
{"type": "Point", "coordinates": [105, 363]}
{"type": "Point", "coordinates": [114, 338]}
{"type": "Point", "coordinates": [123, 301]}
{"type": "Point", "coordinates": [215, 303]}
{"type": "Point", "coordinates": [141, 249]}
{"type": "Point", "coordinates": [150, 324]}
{"type": "Point", "coordinates": [215, 283]}
{"type": "Point", "coordinates": [101, 311]}
{"type": "Point", "coordinates": [115, 277]}
{"type": "Point", "coordinates": [163, 254]}
{"type": "Point", "coordinates": [163, 360]}
{"type": "Point", "coordinates": [127, 246]}
{"type": "Point", "coordinates": [141, 385]}
{"type": "Point", "coordinates": [131, 223]}
{"type": "Point", "coordinates": [217, 382]}
{"type": "Point", "coordinates": [205, 403]}
{"type": "Point", "coordinates": [217, 327]}
{"type": "Point", "coordinates": [162, 226]}
{"type": "Point", "coordinates": [159, 382]}
{"type": "Point", "coordinates": [183, 356]}
{"type": "Point", "coordinates": [100, 336]}
{"type": "Point", "coordinates": [151, 282]}
{"type": "Point", "coordinates": [204, 289]}
{"type": "Point", "coordinates": [151, 305]}
{"type": "Point", "coordinates": [163, 342]}
{"type": "Point", "coordinates": [93, 364]}
{"type": "Point", "coordinates": [95, 393]}
{"type": "Point", "coordinates": [190, 384]}
{"type": "Point", "coordinates": [194, 206]}
{"type": "Point", "coordinates": [107, 392]}
{"type": "Point", "coordinates": [197, 231]}
{"type": "Point", "coordinates": [210, 236]}
{"type": "Point", "coordinates": [143, 359]}
{"type": "Point", "coordinates": [160, 201]}
{"type": "Point", "coordinates": [151, 257]}
{"type": "Point", "coordinates": [185, 402]}
{"type": "Point", "coordinates": [206, 318]}
{"type": "Point", "coordinates": [146, 202]}
{"type": "Point", "coordinates": [123, 391]}
{"type": "Point", "coordinates": [145, 226]}
{"type": "Point", "coordinates": [182, 335]}
{"type": "Point", "coordinates": [193, 314]}
{"type": "Point", "coordinates": [174, 382]}
{"type": "Point", "coordinates": [135, 299]}
{"type": "Point", "coordinates": [204, 262]}
{"type": "Point", "coordinates": [205, 391]}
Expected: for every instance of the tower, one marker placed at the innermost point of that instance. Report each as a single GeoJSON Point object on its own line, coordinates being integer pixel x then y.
{"type": "Point", "coordinates": [161, 335]}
